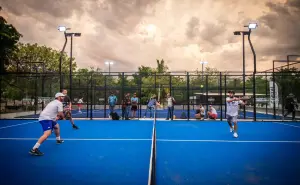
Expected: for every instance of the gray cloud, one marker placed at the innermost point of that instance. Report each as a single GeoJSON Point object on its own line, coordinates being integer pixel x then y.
{"type": "Point", "coordinates": [192, 30]}
{"type": "Point", "coordinates": [186, 31]}
{"type": "Point", "coordinates": [56, 8]}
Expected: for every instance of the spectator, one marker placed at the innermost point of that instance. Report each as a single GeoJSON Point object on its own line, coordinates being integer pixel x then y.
{"type": "Point", "coordinates": [291, 106]}
{"type": "Point", "coordinates": [112, 100]}
{"type": "Point", "coordinates": [134, 105]}
{"type": "Point", "coordinates": [200, 113]}
{"type": "Point", "coordinates": [79, 104]}
{"type": "Point", "coordinates": [151, 105]}
{"type": "Point", "coordinates": [171, 102]}
{"type": "Point", "coordinates": [212, 113]}
{"type": "Point", "coordinates": [126, 105]}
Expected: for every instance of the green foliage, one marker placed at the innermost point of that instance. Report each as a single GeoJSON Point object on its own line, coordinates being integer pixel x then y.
{"type": "Point", "coordinates": [288, 81]}
{"type": "Point", "coordinates": [28, 56]}
{"type": "Point", "coordinates": [9, 37]}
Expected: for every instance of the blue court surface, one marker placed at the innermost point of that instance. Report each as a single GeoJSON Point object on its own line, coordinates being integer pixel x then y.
{"type": "Point", "coordinates": [118, 152]}
{"type": "Point", "coordinates": [100, 113]}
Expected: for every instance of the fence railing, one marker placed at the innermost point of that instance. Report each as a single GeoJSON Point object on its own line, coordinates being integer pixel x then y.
{"type": "Point", "coordinates": [24, 95]}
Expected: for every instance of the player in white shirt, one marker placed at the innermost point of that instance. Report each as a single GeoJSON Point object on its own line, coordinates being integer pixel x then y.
{"type": "Point", "coordinates": [48, 117]}
{"type": "Point", "coordinates": [232, 104]}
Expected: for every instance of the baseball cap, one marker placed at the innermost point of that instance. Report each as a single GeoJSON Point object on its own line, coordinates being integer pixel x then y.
{"type": "Point", "coordinates": [58, 95]}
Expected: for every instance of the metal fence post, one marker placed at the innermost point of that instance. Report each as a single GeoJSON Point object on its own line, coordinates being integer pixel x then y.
{"type": "Point", "coordinates": [188, 94]}
{"type": "Point", "coordinates": [221, 95]}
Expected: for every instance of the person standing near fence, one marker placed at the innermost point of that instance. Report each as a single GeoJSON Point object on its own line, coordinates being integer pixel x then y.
{"type": "Point", "coordinates": [112, 100]}
{"type": "Point", "coordinates": [67, 103]}
{"type": "Point", "coordinates": [151, 105]}
{"type": "Point", "coordinates": [170, 102]}
{"type": "Point", "coordinates": [79, 104]}
{"type": "Point", "coordinates": [291, 106]}
{"type": "Point", "coordinates": [126, 105]}
{"type": "Point", "coordinates": [134, 105]}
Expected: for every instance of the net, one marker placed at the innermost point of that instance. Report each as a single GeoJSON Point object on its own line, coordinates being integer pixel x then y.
{"type": "Point", "coordinates": [152, 168]}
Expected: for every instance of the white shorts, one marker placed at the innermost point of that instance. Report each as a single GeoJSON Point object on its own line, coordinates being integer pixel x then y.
{"type": "Point", "coordinates": [231, 118]}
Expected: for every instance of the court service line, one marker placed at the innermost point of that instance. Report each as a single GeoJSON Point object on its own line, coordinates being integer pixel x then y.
{"type": "Point", "coordinates": [18, 124]}
{"type": "Point", "coordinates": [224, 141]}
{"type": "Point", "coordinates": [287, 125]}
{"type": "Point", "coordinates": [76, 139]}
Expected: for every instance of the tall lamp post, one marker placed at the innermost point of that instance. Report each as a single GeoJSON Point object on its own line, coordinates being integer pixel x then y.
{"type": "Point", "coordinates": [109, 63]}
{"type": "Point", "coordinates": [203, 63]}
{"type": "Point", "coordinates": [251, 26]}
{"type": "Point", "coordinates": [64, 29]}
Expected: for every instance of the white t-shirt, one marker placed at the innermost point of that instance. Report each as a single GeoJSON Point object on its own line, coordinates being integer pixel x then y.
{"type": "Point", "coordinates": [213, 111]}
{"type": "Point", "coordinates": [202, 111]}
{"type": "Point", "coordinates": [232, 107]}
{"type": "Point", "coordinates": [51, 110]}
{"type": "Point", "coordinates": [170, 101]}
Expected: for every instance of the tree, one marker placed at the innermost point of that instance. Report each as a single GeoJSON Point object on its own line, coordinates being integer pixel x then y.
{"type": "Point", "coordinates": [288, 81]}
{"type": "Point", "coordinates": [28, 56]}
{"type": "Point", "coordinates": [9, 37]}
{"type": "Point", "coordinates": [36, 60]}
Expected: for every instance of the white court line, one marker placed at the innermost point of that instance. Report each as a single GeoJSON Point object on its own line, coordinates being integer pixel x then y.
{"type": "Point", "coordinates": [287, 125]}
{"type": "Point", "coordinates": [224, 141]}
{"type": "Point", "coordinates": [18, 124]}
{"type": "Point", "coordinates": [159, 140]}
{"type": "Point", "coordinates": [77, 139]}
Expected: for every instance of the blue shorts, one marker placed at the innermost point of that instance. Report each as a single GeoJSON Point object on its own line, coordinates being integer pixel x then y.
{"type": "Point", "coordinates": [48, 124]}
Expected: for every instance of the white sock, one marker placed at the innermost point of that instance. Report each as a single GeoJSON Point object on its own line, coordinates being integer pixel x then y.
{"type": "Point", "coordinates": [58, 138]}
{"type": "Point", "coordinates": [37, 145]}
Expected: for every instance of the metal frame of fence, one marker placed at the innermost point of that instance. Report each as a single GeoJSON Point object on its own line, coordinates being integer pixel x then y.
{"type": "Point", "coordinates": [95, 86]}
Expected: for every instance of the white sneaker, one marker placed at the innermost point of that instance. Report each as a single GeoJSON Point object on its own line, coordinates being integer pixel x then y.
{"type": "Point", "coordinates": [235, 135]}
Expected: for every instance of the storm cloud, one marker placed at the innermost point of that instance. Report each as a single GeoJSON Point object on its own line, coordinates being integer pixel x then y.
{"type": "Point", "coordinates": [137, 32]}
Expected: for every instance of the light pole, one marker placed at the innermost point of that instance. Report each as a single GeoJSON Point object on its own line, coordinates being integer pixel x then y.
{"type": "Point", "coordinates": [64, 29]}
{"type": "Point", "coordinates": [243, 33]}
{"type": "Point", "coordinates": [202, 63]}
{"type": "Point", "coordinates": [109, 63]}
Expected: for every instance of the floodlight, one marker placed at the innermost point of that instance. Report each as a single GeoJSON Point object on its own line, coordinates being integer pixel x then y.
{"type": "Point", "coordinates": [252, 26]}
{"type": "Point", "coordinates": [109, 62]}
{"type": "Point", "coordinates": [237, 33]}
{"type": "Point", "coordinates": [62, 28]}
{"type": "Point", "coordinates": [203, 62]}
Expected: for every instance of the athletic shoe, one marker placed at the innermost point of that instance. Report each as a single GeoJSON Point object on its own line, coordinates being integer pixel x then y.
{"type": "Point", "coordinates": [59, 141]}
{"type": "Point", "coordinates": [75, 127]}
{"type": "Point", "coordinates": [235, 135]}
{"type": "Point", "coordinates": [36, 152]}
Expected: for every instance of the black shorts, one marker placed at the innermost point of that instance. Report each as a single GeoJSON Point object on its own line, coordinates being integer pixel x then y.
{"type": "Point", "coordinates": [134, 107]}
{"type": "Point", "coordinates": [67, 114]}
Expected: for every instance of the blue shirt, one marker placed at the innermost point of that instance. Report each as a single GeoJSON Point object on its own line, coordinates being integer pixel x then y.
{"type": "Point", "coordinates": [152, 102]}
{"type": "Point", "coordinates": [112, 100]}
{"type": "Point", "coordinates": [134, 100]}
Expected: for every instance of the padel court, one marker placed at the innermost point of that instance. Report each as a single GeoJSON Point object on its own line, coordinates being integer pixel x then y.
{"type": "Point", "coordinates": [119, 152]}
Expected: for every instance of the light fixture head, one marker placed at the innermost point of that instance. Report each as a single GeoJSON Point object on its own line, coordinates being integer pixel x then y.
{"type": "Point", "coordinates": [63, 28]}
{"type": "Point", "coordinates": [252, 26]}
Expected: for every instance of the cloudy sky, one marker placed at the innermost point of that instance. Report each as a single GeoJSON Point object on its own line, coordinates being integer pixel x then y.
{"type": "Point", "coordinates": [182, 32]}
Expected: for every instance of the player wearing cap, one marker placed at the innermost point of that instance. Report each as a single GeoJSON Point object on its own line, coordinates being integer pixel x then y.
{"type": "Point", "coordinates": [232, 104]}
{"type": "Point", "coordinates": [47, 119]}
